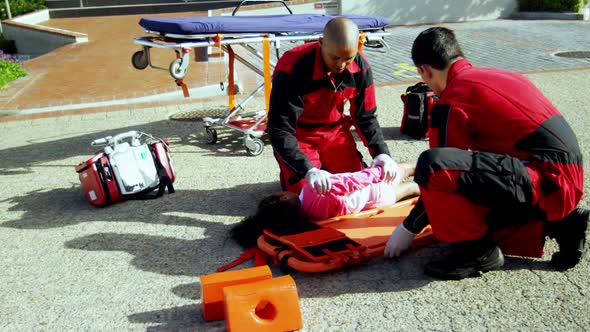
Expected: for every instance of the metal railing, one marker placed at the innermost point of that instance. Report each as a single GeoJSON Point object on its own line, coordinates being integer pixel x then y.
{"type": "Point", "coordinates": [7, 11]}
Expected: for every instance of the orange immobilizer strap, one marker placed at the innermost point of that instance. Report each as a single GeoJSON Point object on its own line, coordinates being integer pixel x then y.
{"type": "Point", "coordinates": [179, 82]}
{"type": "Point", "coordinates": [230, 79]}
{"type": "Point", "coordinates": [230, 75]}
{"type": "Point", "coordinates": [258, 255]}
{"type": "Point", "coordinates": [362, 38]}
{"type": "Point", "coordinates": [267, 79]}
{"type": "Point", "coordinates": [321, 244]}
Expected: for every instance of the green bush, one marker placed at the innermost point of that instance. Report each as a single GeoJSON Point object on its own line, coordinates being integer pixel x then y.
{"type": "Point", "coordinates": [551, 5]}
{"type": "Point", "coordinates": [20, 7]}
{"type": "Point", "coordinates": [10, 71]}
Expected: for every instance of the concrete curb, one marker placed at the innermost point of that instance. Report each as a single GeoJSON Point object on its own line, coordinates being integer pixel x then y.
{"type": "Point", "coordinates": [204, 92]}
{"type": "Point", "coordinates": [549, 16]}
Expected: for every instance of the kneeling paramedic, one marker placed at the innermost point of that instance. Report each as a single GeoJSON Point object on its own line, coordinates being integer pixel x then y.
{"type": "Point", "coordinates": [504, 169]}
{"type": "Point", "coordinates": [308, 129]}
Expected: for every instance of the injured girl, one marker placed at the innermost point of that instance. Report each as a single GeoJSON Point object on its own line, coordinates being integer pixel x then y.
{"type": "Point", "coordinates": [350, 193]}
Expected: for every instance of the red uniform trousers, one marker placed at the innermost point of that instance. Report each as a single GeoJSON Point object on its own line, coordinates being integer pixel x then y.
{"type": "Point", "coordinates": [331, 148]}
{"type": "Point", "coordinates": [468, 194]}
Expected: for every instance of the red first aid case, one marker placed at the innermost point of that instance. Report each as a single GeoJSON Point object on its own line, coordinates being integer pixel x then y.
{"type": "Point", "coordinates": [123, 170]}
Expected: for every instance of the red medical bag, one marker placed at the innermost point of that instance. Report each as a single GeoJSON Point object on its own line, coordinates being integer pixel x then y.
{"type": "Point", "coordinates": [122, 171]}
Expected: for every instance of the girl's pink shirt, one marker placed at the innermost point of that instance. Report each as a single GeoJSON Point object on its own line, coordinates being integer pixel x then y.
{"type": "Point", "coordinates": [344, 185]}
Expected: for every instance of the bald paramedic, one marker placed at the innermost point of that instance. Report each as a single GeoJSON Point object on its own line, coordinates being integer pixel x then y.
{"type": "Point", "coordinates": [503, 172]}
{"type": "Point", "coordinates": [313, 86]}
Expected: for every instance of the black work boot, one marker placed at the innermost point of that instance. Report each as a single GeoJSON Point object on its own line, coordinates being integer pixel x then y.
{"type": "Point", "coordinates": [570, 234]}
{"type": "Point", "coordinates": [467, 259]}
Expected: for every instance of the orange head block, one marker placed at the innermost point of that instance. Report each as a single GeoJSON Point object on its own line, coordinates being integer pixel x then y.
{"type": "Point", "coordinates": [212, 288]}
{"type": "Point", "coordinates": [267, 305]}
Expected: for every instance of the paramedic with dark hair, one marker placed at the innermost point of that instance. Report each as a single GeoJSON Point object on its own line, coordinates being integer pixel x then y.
{"type": "Point", "coordinates": [308, 129]}
{"type": "Point", "coordinates": [504, 169]}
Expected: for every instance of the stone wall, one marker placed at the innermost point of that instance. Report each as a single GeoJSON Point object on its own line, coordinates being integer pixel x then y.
{"type": "Point", "coordinates": [33, 39]}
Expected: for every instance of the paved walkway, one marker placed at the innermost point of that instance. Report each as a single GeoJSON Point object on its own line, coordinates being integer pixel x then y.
{"type": "Point", "coordinates": [522, 46]}
{"type": "Point", "coordinates": [98, 75]}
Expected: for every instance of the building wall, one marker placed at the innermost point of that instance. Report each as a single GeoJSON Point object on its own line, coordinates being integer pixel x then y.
{"type": "Point", "coordinates": [403, 12]}
{"type": "Point", "coordinates": [33, 39]}
{"type": "Point", "coordinates": [297, 7]}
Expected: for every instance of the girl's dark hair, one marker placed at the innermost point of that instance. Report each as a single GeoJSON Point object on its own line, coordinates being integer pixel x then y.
{"type": "Point", "coordinates": [436, 47]}
{"type": "Point", "coordinates": [277, 209]}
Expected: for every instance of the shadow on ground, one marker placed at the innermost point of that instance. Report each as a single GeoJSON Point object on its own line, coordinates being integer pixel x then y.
{"type": "Point", "coordinates": [185, 318]}
{"type": "Point", "coordinates": [376, 276]}
{"type": "Point", "coordinates": [19, 160]}
{"type": "Point", "coordinates": [365, 278]}
{"type": "Point", "coordinates": [65, 207]}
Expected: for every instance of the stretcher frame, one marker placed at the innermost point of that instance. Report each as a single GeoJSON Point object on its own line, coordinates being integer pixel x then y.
{"type": "Point", "coordinates": [251, 124]}
{"type": "Point", "coordinates": [365, 235]}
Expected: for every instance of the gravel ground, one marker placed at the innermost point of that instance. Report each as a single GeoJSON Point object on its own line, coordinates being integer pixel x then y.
{"type": "Point", "coordinates": [66, 265]}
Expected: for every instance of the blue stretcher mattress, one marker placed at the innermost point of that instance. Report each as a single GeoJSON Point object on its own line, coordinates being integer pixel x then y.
{"type": "Point", "coordinates": [296, 23]}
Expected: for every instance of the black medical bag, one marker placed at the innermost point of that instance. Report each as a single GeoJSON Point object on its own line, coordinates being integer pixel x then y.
{"type": "Point", "coordinates": [418, 101]}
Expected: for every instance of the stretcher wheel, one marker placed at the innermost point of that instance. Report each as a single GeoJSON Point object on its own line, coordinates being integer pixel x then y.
{"type": "Point", "coordinates": [176, 71]}
{"type": "Point", "coordinates": [139, 60]}
{"type": "Point", "coordinates": [211, 135]}
{"type": "Point", "coordinates": [255, 147]}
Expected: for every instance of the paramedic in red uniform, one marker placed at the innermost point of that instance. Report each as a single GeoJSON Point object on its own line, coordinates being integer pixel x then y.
{"type": "Point", "coordinates": [503, 171]}
{"type": "Point", "coordinates": [313, 85]}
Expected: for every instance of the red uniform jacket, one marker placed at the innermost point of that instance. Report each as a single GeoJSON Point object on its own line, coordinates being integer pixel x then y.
{"type": "Point", "coordinates": [304, 96]}
{"type": "Point", "coordinates": [492, 110]}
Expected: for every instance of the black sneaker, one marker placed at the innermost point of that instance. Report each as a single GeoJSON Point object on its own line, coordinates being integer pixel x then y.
{"type": "Point", "coordinates": [570, 234]}
{"type": "Point", "coordinates": [462, 263]}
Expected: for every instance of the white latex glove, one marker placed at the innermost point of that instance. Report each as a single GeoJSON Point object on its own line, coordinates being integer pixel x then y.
{"type": "Point", "coordinates": [389, 167]}
{"type": "Point", "coordinates": [400, 240]}
{"type": "Point", "coordinates": [319, 180]}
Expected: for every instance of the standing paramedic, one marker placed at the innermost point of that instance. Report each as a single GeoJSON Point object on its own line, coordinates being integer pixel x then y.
{"type": "Point", "coordinates": [503, 171]}
{"type": "Point", "coordinates": [308, 129]}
